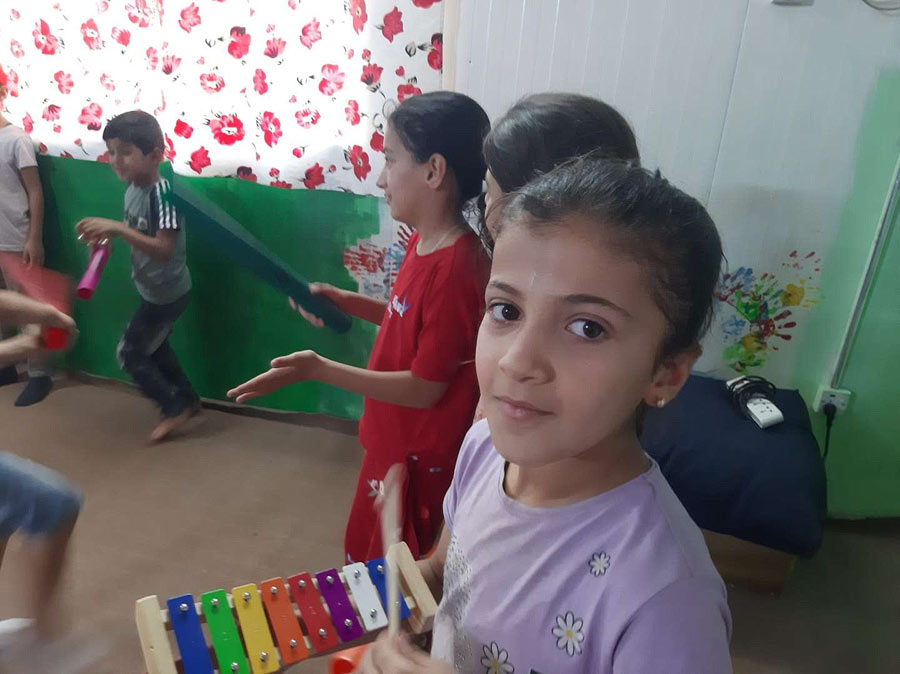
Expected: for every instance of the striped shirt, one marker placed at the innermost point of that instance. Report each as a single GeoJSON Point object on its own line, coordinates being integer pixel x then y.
{"type": "Point", "coordinates": [149, 210]}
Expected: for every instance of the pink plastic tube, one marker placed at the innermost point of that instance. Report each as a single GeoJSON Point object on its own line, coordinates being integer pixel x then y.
{"type": "Point", "coordinates": [92, 276]}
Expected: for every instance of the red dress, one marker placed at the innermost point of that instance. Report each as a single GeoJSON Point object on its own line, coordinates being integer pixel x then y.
{"type": "Point", "coordinates": [429, 327]}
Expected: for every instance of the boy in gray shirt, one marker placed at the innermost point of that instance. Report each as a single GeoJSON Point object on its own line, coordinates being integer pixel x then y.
{"type": "Point", "coordinates": [155, 233]}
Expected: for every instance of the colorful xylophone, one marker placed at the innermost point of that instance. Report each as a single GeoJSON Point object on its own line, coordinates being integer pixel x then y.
{"type": "Point", "coordinates": [262, 629]}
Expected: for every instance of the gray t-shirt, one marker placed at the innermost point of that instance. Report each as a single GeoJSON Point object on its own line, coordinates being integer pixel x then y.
{"type": "Point", "coordinates": [618, 583]}
{"type": "Point", "coordinates": [16, 153]}
{"type": "Point", "coordinates": [148, 210]}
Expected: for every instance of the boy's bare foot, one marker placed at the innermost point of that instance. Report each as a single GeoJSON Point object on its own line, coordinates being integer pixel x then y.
{"type": "Point", "coordinates": [169, 424]}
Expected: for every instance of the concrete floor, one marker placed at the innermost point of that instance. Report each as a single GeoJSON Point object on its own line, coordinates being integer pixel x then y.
{"type": "Point", "coordinates": [240, 499]}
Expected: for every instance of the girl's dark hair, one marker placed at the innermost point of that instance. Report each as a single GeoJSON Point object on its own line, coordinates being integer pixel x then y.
{"type": "Point", "coordinates": [652, 221]}
{"type": "Point", "coordinates": [544, 130]}
{"type": "Point", "coordinates": [138, 128]}
{"type": "Point", "coordinates": [448, 124]}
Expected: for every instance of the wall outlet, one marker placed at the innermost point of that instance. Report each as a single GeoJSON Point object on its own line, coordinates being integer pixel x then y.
{"type": "Point", "coordinates": [838, 397]}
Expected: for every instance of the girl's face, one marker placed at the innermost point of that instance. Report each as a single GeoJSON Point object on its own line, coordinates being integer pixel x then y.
{"type": "Point", "coordinates": [402, 179]}
{"type": "Point", "coordinates": [567, 348]}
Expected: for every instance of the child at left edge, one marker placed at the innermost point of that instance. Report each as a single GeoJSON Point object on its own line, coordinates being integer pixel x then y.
{"type": "Point", "coordinates": [155, 233]}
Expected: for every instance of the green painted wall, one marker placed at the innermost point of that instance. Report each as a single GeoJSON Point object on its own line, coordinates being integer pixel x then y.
{"type": "Point", "coordinates": [235, 324]}
{"type": "Point", "coordinates": [864, 461]}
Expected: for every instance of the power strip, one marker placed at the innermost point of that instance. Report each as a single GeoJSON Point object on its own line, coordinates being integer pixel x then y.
{"type": "Point", "coordinates": [763, 412]}
{"type": "Point", "coordinates": [754, 403]}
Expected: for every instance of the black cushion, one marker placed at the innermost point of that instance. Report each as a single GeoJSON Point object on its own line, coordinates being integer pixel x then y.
{"type": "Point", "coordinates": [765, 486]}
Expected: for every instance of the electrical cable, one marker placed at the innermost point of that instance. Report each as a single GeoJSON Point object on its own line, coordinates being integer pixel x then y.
{"type": "Point", "coordinates": [830, 411]}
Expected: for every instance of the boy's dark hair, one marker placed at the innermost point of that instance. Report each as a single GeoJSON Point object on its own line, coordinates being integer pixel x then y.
{"type": "Point", "coordinates": [650, 219]}
{"type": "Point", "coordinates": [138, 128]}
{"type": "Point", "coordinates": [448, 124]}
{"type": "Point", "coordinates": [542, 131]}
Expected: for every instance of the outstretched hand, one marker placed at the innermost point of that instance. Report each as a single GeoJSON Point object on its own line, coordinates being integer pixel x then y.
{"type": "Point", "coordinates": [395, 655]}
{"type": "Point", "coordinates": [286, 370]}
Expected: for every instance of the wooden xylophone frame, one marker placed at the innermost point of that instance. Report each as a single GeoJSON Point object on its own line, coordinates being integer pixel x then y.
{"type": "Point", "coordinates": [282, 627]}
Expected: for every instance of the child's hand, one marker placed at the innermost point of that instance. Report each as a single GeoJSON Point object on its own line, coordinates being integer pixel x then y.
{"type": "Point", "coordinates": [97, 229]}
{"type": "Point", "coordinates": [286, 370]}
{"type": "Point", "coordinates": [325, 290]}
{"type": "Point", "coordinates": [33, 255]}
{"type": "Point", "coordinates": [395, 655]}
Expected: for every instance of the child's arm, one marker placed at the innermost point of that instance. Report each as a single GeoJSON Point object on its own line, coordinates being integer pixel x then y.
{"type": "Point", "coordinates": [161, 246]}
{"type": "Point", "coordinates": [21, 310]}
{"type": "Point", "coordinates": [34, 244]}
{"type": "Point", "coordinates": [396, 388]}
{"type": "Point", "coordinates": [355, 304]}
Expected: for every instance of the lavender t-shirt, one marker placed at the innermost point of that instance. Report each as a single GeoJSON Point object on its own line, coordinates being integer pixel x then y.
{"type": "Point", "coordinates": [620, 583]}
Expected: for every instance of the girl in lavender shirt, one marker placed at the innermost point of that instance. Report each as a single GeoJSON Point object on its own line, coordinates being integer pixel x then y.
{"type": "Point", "coordinates": [565, 550]}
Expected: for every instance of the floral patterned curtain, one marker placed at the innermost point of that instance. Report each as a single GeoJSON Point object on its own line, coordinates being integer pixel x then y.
{"type": "Point", "coordinates": [290, 93]}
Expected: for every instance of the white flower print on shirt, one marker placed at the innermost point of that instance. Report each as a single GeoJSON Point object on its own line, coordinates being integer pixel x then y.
{"type": "Point", "coordinates": [599, 563]}
{"type": "Point", "coordinates": [569, 636]}
{"type": "Point", "coordinates": [495, 660]}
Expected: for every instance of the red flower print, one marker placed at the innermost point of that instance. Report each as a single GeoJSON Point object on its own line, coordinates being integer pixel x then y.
{"type": "Point", "coordinates": [170, 64]}
{"type": "Point", "coordinates": [63, 81]}
{"type": "Point", "coordinates": [107, 82]}
{"type": "Point", "coordinates": [424, 4]}
{"type": "Point", "coordinates": [271, 128]}
{"type": "Point", "coordinates": [15, 48]}
{"type": "Point", "coordinates": [183, 129]}
{"type": "Point", "coordinates": [307, 117]}
{"type": "Point", "coordinates": [371, 76]}
{"type": "Point", "coordinates": [227, 129]}
{"type": "Point", "coordinates": [65, 155]}
{"type": "Point", "coordinates": [436, 55]}
{"type": "Point", "coordinates": [211, 83]}
{"type": "Point", "coordinates": [332, 80]}
{"type": "Point", "coordinates": [315, 176]}
{"type": "Point", "coordinates": [90, 116]}
{"type": "Point", "coordinates": [260, 85]}
{"type": "Point", "coordinates": [280, 183]}
{"type": "Point", "coordinates": [139, 13]}
{"type": "Point", "coordinates": [12, 82]}
{"type": "Point", "coordinates": [357, 10]}
{"type": "Point", "coordinates": [199, 160]}
{"type": "Point", "coordinates": [51, 112]}
{"type": "Point", "coordinates": [366, 55]}
{"type": "Point", "coordinates": [274, 47]}
{"type": "Point", "coordinates": [407, 90]}
{"type": "Point", "coordinates": [42, 148]}
{"type": "Point", "coordinates": [57, 128]}
{"type": "Point", "coordinates": [246, 173]}
{"type": "Point", "coordinates": [44, 39]}
{"type": "Point", "coordinates": [350, 53]}
{"type": "Point", "coordinates": [240, 42]}
{"type": "Point", "coordinates": [352, 112]}
{"type": "Point", "coordinates": [297, 152]}
{"type": "Point", "coordinates": [274, 172]}
{"type": "Point", "coordinates": [393, 24]}
{"type": "Point", "coordinates": [28, 123]}
{"type": "Point", "coordinates": [91, 34]}
{"type": "Point", "coordinates": [170, 149]}
{"type": "Point", "coordinates": [190, 17]}
{"type": "Point", "coordinates": [122, 36]}
{"type": "Point", "coordinates": [14, 14]}
{"type": "Point", "coordinates": [103, 158]}
{"type": "Point", "coordinates": [292, 4]}
{"type": "Point", "coordinates": [102, 6]}
{"type": "Point", "coordinates": [400, 71]}
{"type": "Point", "coordinates": [152, 59]}
{"type": "Point", "coordinates": [360, 160]}
{"type": "Point", "coordinates": [310, 34]}
{"type": "Point", "coordinates": [377, 142]}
